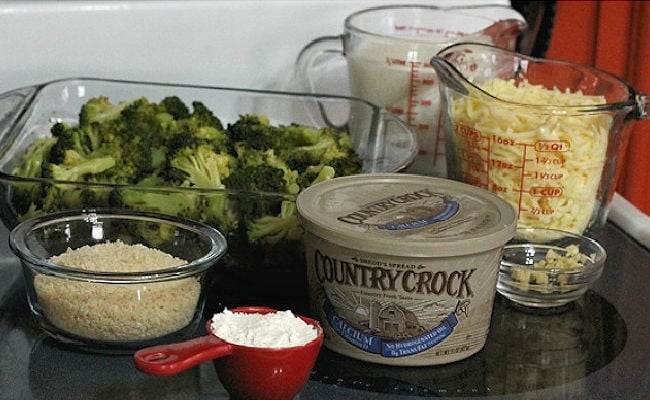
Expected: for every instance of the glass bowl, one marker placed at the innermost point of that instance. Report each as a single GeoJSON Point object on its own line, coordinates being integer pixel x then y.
{"type": "Point", "coordinates": [545, 268]}
{"type": "Point", "coordinates": [126, 297]}
{"type": "Point", "coordinates": [272, 272]}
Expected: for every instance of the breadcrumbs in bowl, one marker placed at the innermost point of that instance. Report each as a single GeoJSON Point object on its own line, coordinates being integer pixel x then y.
{"type": "Point", "coordinates": [116, 281]}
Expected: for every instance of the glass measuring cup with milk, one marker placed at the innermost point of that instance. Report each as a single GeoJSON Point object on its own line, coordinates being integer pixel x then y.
{"type": "Point", "coordinates": [387, 51]}
{"type": "Point", "coordinates": [544, 135]}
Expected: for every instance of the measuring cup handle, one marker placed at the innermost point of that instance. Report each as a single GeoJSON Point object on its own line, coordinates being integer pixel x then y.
{"type": "Point", "coordinates": [320, 51]}
{"type": "Point", "coordinates": [171, 359]}
{"type": "Point", "coordinates": [391, 147]}
{"type": "Point", "coordinates": [643, 105]}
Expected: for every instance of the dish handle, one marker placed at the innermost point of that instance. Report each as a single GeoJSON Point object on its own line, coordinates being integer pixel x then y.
{"type": "Point", "coordinates": [12, 106]}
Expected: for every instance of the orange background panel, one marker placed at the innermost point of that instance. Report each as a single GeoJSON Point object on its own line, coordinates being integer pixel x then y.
{"type": "Point", "coordinates": [614, 36]}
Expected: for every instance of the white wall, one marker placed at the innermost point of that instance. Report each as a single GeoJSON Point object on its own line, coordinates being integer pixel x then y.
{"type": "Point", "coordinates": [223, 43]}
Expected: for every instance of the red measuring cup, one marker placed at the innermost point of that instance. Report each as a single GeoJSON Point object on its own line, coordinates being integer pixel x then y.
{"type": "Point", "coordinates": [245, 372]}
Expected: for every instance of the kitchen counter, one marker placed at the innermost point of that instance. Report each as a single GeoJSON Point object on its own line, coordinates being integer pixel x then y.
{"type": "Point", "coordinates": [596, 348]}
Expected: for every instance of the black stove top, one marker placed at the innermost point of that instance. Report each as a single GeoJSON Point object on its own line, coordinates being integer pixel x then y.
{"type": "Point", "coordinates": [595, 348]}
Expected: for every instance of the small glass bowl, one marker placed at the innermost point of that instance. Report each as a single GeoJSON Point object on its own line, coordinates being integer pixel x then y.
{"type": "Point", "coordinates": [103, 310]}
{"type": "Point", "coordinates": [546, 268]}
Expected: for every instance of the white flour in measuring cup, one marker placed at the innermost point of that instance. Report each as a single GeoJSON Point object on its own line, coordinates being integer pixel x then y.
{"type": "Point", "coordinates": [272, 330]}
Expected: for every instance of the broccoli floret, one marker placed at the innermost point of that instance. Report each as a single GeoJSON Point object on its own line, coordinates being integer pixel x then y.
{"type": "Point", "coordinates": [141, 118]}
{"type": "Point", "coordinates": [35, 159]}
{"type": "Point", "coordinates": [201, 115]}
{"type": "Point", "coordinates": [302, 157]}
{"type": "Point", "coordinates": [136, 157]}
{"type": "Point", "coordinates": [26, 197]}
{"type": "Point", "coordinates": [201, 167]}
{"type": "Point", "coordinates": [76, 138]}
{"type": "Point", "coordinates": [271, 230]}
{"type": "Point", "coordinates": [256, 178]}
{"type": "Point", "coordinates": [346, 165]}
{"type": "Point", "coordinates": [189, 134]}
{"type": "Point", "coordinates": [175, 107]}
{"type": "Point", "coordinates": [99, 195]}
{"type": "Point", "coordinates": [254, 131]}
{"type": "Point", "coordinates": [126, 137]}
{"type": "Point", "coordinates": [197, 129]}
{"type": "Point", "coordinates": [295, 135]}
{"type": "Point", "coordinates": [315, 174]}
{"type": "Point", "coordinates": [60, 197]}
{"type": "Point", "coordinates": [218, 209]}
{"type": "Point", "coordinates": [75, 167]}
{"type": "Point", "coordinates": [261, 177]}
{"type": "Point", "coordinates": [290, 176]}
{"type": "Point", "coordinates": [318, 146]}
{"type": "Point", "coordinates": [100, 110]}
{"type": "Point", "coordinates": [136, 161]}
{"type": "Point", "coordinates": [153, 194]}
{"type": "Point", "coordinates": [263, 171]}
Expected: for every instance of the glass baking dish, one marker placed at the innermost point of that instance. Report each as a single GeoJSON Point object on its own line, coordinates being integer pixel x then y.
{"type": "Point", "coordinates": [384, 143]}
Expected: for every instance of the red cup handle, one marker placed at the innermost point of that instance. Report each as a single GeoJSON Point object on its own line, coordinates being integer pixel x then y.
{"type": "Point", "coordinates": [171, 359]}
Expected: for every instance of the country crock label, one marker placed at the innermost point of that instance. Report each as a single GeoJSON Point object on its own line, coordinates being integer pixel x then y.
{"type": "Point", "coordinates": [391, 316]}
{"type": "Point", "coordinates": [413, 210]}
{"type": "Point", "coordinates": [413, 311]}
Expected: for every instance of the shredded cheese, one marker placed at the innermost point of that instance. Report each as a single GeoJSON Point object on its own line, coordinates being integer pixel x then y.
{"type": "Point", "coordinates": [546, 275]}
{"type": "Point", "coordinates": [571, 258]}
{"type": "Point", "coordinates": [547, 164]}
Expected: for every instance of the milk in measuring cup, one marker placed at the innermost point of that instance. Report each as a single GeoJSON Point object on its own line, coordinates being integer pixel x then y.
{"type": "Point", "coordinates": [388, 51]}
{"type": "Point", "coordinates": [400, 80]}
{"type": "Point", "coordinates": [397, 76]}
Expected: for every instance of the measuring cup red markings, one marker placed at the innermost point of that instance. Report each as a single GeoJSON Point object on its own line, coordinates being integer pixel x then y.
{"type": "Point", "coordinates": [562, 123]}
{"type": "Point", "coordinates": [415, 82]}
{"type": "Point", "coordinates": [428, 31]}
{"type": "Point", "coordinates": [477, 151]}
{"type": "Point", "coordinates": [552, 145]}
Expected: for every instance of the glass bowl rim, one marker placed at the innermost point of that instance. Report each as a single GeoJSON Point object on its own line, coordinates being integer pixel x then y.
{"type": "Point", "coordinates": [596, 261]}
{"type": "Point", "coordinates": [18, 245]}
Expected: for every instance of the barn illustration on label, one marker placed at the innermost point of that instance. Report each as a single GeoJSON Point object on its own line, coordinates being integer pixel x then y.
{"type": "Point", "coordinates": [388, 320]}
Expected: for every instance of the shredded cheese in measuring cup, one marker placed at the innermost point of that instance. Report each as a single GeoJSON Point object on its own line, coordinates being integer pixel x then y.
{"type": "Point", "coordinates": [273, 330]}
{"type": "Point", "coordinates": [563, 159]}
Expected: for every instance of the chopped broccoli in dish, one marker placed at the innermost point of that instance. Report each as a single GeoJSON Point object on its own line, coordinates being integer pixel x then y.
{"type": "Point", "coordinates": [241, 177]}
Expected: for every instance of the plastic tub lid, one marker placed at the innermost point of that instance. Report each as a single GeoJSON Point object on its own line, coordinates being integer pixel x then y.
{"type": "Point", "coordinates": [409, 215]}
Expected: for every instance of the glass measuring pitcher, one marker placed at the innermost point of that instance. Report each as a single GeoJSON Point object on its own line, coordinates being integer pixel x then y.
{"type": "Point", "coordinates": [544, 135]}
{"type": "Point", "coordinates": [387, 50]}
